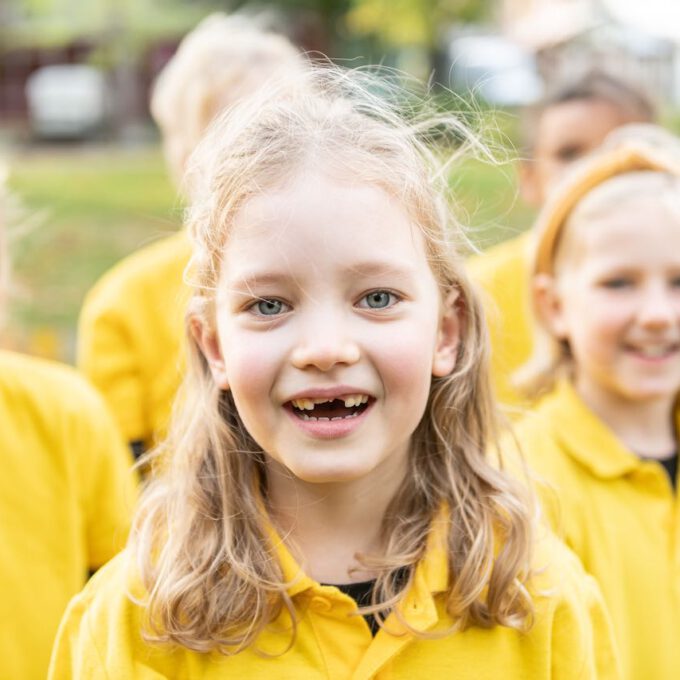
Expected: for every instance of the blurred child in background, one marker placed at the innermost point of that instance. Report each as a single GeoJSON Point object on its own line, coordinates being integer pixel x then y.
{"type": "Point", "coordinates": [131, 323]}
{"type": "Point", "coordinates": [66, 495]}
{"type": "Point", "coordinates": [323, 506]}
{"type": "Point", "coordinates": [562, 129]}
{"type": "Point", "coordinates": [607, 296]}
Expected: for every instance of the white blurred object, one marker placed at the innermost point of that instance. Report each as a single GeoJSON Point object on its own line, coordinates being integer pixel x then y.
{"type": "Point", "coordinates": [66, 100]}
{"type": "Point", "coordinates": [543, 24]}
{"type": "Point", "coordinates": [498, 70]}
{"type": "Point", "coordinates": [658, 17]}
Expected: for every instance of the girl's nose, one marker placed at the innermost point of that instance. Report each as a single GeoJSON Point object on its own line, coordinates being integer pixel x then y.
{"type": "Point", "coordinates": [660, 308]}
{"type": "Point", "coordinates": [324, 348]}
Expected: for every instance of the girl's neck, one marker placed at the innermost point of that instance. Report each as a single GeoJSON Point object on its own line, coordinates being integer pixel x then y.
{"type": "Point", "coordinates": [646, 427]}
{"type": "Point", "coordinates": [328, 524]}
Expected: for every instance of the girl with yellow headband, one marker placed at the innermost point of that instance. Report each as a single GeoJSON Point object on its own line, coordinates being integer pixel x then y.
{"type": "Point", "coordinates": [606, 291]}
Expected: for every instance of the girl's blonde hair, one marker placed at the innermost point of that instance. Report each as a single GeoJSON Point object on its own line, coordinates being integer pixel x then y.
{"type": "Point", "coordinates": [636, 161]}
{"type": "Point", "coordinates": [201, 537]}
{"type": "Point", "coordinates": [222, 60]}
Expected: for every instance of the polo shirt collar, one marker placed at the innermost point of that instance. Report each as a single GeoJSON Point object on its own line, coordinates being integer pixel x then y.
{"type": "Point", "coordinates": [431, 574]}
{"type": "Point", "coordinates": [585, 437]}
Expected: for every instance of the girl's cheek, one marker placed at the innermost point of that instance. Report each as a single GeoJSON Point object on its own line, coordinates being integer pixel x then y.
{"type": "Point", "coordinates": [252, 359]}
{"type": "Point", "coordinates": [405, 358]}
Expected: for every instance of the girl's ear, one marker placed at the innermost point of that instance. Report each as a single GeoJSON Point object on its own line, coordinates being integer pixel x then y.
{"type": "Point", "coordinates": [548, 305]}
{"type": "Point", "coordinates": [529, 183]}
{"type": "Point", "coordinates": [448, 336]}
{"type": "Point", "coordinates": [206, 337]}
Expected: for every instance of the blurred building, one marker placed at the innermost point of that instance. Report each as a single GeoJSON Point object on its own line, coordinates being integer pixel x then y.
{"type": "Point", "coordinates": [569, 37]}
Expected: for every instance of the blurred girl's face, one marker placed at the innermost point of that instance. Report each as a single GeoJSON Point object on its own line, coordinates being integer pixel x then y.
{"type": "Point", "coordinates": [329, 327]}
{"type": "Point", "coordinates": [617, 302]}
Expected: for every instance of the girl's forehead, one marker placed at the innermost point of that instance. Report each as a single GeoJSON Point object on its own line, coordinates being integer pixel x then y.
{"type": "Point", "coordinates": [323, 217]}
{"type": "Point", "coordinates": [638, 229]}
{"type": "Point", "coordinates": [634, 218]}
{"type": "Point", "coordinates": [322, 227]}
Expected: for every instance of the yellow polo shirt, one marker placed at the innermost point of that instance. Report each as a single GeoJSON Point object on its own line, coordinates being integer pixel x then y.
{"type": "Point", "coordinates": [620, 516]}
{"type": "Point", "coordinates": [130, 336]}
{"type": "Point", "coordinates": [100, 635]}
{"type": "Point", "coordinates": [503, 274]}
{"type": "Point", "coordinates": [66, 499]}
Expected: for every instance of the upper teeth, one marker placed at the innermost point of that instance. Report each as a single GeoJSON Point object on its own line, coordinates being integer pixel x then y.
{"type": "Point", "coordinates": [306, 404]}
{"type": "Point", "coordinates": [654, 351]}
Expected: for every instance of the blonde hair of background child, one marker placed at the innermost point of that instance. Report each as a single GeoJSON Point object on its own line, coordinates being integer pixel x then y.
{"type": "Point", "coordinates": [201, 537]}
{"type": "Point", "coordinates": [636, 161]}
{"type": "Point", "coordinates": [222, 60]}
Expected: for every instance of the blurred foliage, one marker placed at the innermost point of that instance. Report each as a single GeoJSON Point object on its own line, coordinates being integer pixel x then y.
{"type": "Point", "coordinates": [45, 22]}
{"type": "Point", "coordinates": [401, 23]}
{"type": "Point", "coordinates": [395, 23]}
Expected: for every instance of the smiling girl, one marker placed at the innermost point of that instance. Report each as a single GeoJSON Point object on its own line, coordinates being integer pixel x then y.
{"type": "Point", "coordinates": [607, 291]}
{"type": "Point", "coordinates": [323, 507]}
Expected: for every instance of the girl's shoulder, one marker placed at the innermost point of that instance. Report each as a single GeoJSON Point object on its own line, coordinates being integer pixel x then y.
{"type": "Point", "coordinates": [569, 604]}
{"type": "Point", "coordinates": [100, 632]}
{"type": "Point", "coordinates": [114, 590]}
{"type": "Point", "coordinates": [53, 397]}
{"type": "Point", "coordinates": [558, 574]}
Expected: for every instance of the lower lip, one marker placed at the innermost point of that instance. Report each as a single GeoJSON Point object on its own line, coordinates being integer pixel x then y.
{"type": "Point", "coordinates": [330, 429]}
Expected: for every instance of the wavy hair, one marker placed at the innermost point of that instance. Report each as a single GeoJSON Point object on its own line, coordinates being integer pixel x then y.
{"type": "Point", "coordinates": [200, 537]}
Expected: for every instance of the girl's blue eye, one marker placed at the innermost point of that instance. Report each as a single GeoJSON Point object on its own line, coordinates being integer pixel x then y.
{"type": "Point", "coordinates": [379, 299]}
{"type": "Point", "coordinates": [270, 307]}
{"type": "Point", "coordinates": [616, 283]}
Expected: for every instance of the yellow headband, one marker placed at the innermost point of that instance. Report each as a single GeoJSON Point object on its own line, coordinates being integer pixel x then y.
{"type": "Point", "coordinates": [630, 156]}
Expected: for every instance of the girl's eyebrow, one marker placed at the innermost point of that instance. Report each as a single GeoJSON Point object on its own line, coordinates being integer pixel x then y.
{"type": "Point", "coordinates": [382, 268]}
{"type": "Point", "coordinates": [249, 280]}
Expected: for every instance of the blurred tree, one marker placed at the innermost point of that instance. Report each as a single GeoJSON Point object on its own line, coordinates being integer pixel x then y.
{"type": "Point", "coordinates": [414, 23]}
{"type": "Point", "coordinates": [314, 24]}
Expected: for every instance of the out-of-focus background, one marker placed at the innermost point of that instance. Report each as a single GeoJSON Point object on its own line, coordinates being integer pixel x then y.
{"type": "Point", "coordinates": [84, 155]}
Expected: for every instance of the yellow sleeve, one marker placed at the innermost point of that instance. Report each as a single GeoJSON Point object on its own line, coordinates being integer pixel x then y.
{"type": "Point", "coordinates": [107, 355]}
{"type": "Point", "coordinates": [99, 637]}
{"type": "Point", "coordinates": [583, 646]}
{"type": "Point", "coordinates": [75, 654]}
{"type": "Point", "coordinates": [108, 484]}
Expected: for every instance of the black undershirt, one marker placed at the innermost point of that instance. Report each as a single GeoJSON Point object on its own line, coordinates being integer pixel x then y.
{"type": "Point", "coordinates": [362, 592]}
{"type": "Point", "coordinates": [671, 467]}
{"type": "Point", "coordinates": [137, 448]}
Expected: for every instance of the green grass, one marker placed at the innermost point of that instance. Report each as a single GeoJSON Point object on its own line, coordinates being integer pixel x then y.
{"type": "Point", "coordinates": [490, 205]}
{"type": "Point", "coordinates": [94, 206]}
{"type": "Point", "coordinates": [97, 204]}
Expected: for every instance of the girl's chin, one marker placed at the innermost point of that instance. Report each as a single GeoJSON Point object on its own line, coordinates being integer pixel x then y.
{"type": "Point", "coordinates": [341, 475]}
{"type": "Point", "coordinates": [652, 393]}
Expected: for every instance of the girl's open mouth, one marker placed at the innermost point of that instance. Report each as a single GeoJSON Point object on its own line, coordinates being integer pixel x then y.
{"type": "Point", "coordinates": [654, 352]}
{"type": "Point", "coordinates": [324, 410]}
